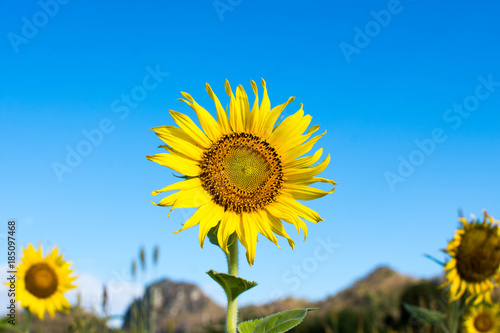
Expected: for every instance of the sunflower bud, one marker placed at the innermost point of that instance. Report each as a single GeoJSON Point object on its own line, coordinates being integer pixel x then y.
{"type": "Point", "coordinates": [142, 256]}
{"type": "Point", "coordinates": [155, 255]}
{"type": "Point", "coordinates": [104, 300]}
{"type": "Point", "coordinates": [133, 269]}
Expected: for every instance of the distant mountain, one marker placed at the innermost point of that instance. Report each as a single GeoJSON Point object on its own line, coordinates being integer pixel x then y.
{"type": "Point", "coordinates": [381, 288]}
{"type": "Point", "coordinates": [182, 307]}
{"type": "Point", "coordinates": [371, 304]}
{"type": "Point", "coordinates": [179, 307]}
{"type": "Point", "coordinates": [375, 297]}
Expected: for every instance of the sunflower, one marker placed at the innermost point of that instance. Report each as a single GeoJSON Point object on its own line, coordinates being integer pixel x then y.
{"type": "Point", "coordinates": [41, 281]}
{"type": "Point", "coordinates": [483, 319]}
{"type": "Point", "coordinates": [475, 259]}
{"type": "Point", "coordinates": [243, 172]}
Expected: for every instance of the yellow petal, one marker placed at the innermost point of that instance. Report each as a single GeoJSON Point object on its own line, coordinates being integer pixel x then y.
{"type": "Point", "coordinates": [243, 106]}
{"type": "Point", "coordinates": [191, 129]}
{"type": "Point", "coordinates": [210, 220]}
{"type": "Point", "coordinates": [39, 311]}
{"type": "Point", "coordinates": [186, 199]}
{"type": "Point", "coordinates": [284, 136]}
{"type": "Point", "coordinates": [265, 105]}
{"type": "Point", "coordinates": [271, 118]}
{"type": "Point", "coordinates": [226, 228]}
{"type": "Point", "coordinates": [183, 185]}
{"type": "Point", "coordinates": [284, 213]}
{"type": "Point", "coordinates": [179, 141]}
{"type": "Point", "coordinates": [265, 109]}
{"type": "Point", "coordinates": [247, 234]}
{"type": "Point", "coordinates": [452, 274]}
{"type": "Point", "coordinates": [306, 173]}
{"type": "Point", "coordinates": [236, 114]}
{"type": "Point", "coordinates": [177, 163]}
{"type": "Point", "coordinates": [450, 264]}
{"type": "Point", "coordinates": [254, 120]}
{"type": "Point", "coordinates": [176, 132]}
{"type": "Point", "coordinates": [461, 290]}
{"type": "Point", "coordinates": [477, 300]}
{"type": "Point", "coordinates": [487, 298]}
{"type": "Point", "coordinates": [177, 153]}
{"type": "Point", "coordinates": [51, 308]}
{"type": "Point", "coordinates": [196, 217]}
{"type": "Point", "coordinates": [299, 209]}
{"type": "Point", "coordinates": [302, 192]}
{"type": "Point", "coordinates": [64, 302]}
{"type": "Point", "coordinates": [54, 255]}
{"type": "Point", "coordinates": [305, 162]}
{"type": "Point", "coordinates": [314, 180]}
{"type": "Point", "coordinates": [207, 122]}
{"type": "Point", "coordinates": [264, 226]}
{"type": "Point", "coordinates": [221, 114]}
{"type": "Point", "coordinates": [278, 229]}
{"type": "Point", "coordinates": [454, 288]}
{"type": "Point", "coordinates": [302, 149]}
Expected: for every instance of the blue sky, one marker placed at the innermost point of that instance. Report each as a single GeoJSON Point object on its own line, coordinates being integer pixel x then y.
{"type": "Point", "coordinates": [409, 93]}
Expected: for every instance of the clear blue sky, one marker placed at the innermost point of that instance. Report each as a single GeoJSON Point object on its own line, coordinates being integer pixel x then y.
{"type": "Point", "coordinates": [430, 72]}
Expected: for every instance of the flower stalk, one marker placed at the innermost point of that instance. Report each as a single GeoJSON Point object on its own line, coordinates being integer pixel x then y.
{"type": "Point", "coordinates": [232, 306]}
{"type": "Point", "coordinates": [28, 321]}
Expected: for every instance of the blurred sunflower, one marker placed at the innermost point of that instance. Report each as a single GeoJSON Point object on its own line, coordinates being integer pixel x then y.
{"type": "Point", "coordinates": [482, 319]}
{"type": "Point", "coordinates": [41, 282]}
{"type": "Point", "coordinates": [243, 172]}
{"type": "Point", "coordinates": [475, 260]}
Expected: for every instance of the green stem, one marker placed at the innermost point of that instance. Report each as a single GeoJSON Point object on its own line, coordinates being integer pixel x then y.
{"type": "Point", "coordinates": [133, 318]}
{"type": "Point", "coordinates": [455, 315]}
{"type": "Point", "coordinates": [28, 321]}
{"type": "Point", "coordinates": [232, 306]}
{"type": "Point", "coordinates": [152, 311]}
{"type": "Point", "coordinates": [443, 327]}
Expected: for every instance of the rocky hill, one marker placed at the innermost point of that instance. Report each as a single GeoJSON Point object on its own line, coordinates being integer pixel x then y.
{"type": "Point", "coordinates": [178, 307]}
{"type": "Point", "coordinates": [371, 304]}
{"type": "Point", "coordinates": [182, 307]}
{"type": "Point", "coordinates": [382, 288]}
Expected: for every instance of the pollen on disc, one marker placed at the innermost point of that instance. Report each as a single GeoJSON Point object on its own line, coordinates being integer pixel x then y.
{"type": "Point", "coordinates": [246, 168]}
{"type": "Point", "coordinates": [241, 172]}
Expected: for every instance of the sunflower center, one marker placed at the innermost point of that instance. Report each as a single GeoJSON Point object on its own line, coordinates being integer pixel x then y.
{"type": "Point", "coordinates": [245, 168]}
{"type": "Point", "coordinates": [41, 280]}
{"type": "Point", "coordinates": [478, 256]}
{"type": "Point", "coordinates": [483, 323]}
{"type": "Point", "coordinates": [241, 172]}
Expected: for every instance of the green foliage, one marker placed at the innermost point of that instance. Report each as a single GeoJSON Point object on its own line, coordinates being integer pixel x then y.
{"type": "Point", "coordinates": [6, 327]}
{"type": "Point", "coordinates": [212, 236]}
{"type": "Point", "coordinates": [276, 323]}
{"type": "Point", "coordinates": [422, 295]}
{"type": "Point", "coordinates": [233, 286]}
{"type": "Point", "coordinates": [348, 321]}
{"type": "Point", "coordinates": [426, 316]}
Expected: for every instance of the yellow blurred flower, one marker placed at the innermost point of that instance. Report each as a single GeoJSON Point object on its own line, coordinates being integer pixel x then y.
{"type": "Point", "coordinates": [482, 319]}
{"type": "Point", "coordinates": [475, 260]}
{"type": "Point", "coordinates": [42, 281]}
{"type": "Point", "coordinates": [243, 172]}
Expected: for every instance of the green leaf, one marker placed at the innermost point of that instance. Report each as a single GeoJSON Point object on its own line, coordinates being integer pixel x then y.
{"type": "Point", "coordinates": [232, 285]}
{"type": "Point", "coordinates": [428, 256]}
{"type": "Point", "coordinates": [426, 316]}
{"type": "Point", "coordinates": [212, 236]}
{"type": "Point", "coordinates": [276, 323]}
{"type": "Point", "coordinates": [4, 324]}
